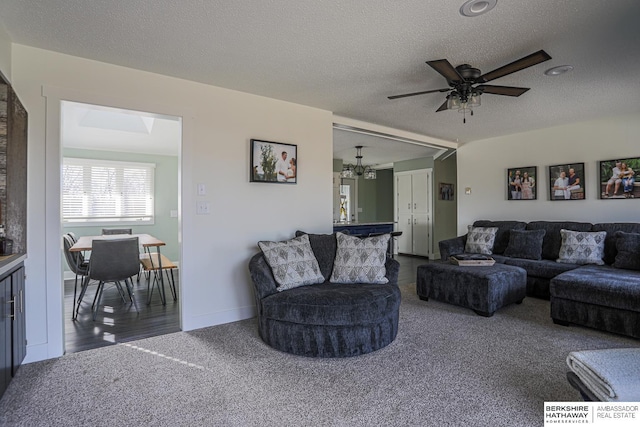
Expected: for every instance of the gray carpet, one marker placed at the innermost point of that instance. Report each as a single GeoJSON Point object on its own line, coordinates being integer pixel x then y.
{"type": "Point", "coordinates": [447, 367]}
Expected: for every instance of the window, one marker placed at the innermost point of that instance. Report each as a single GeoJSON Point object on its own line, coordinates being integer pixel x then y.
{"type": "Point", "coordinates": [102, 191]}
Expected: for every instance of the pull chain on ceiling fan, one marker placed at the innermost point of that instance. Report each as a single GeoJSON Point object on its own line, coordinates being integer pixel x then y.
{"type": "Point", "coordinates": [467, 84]}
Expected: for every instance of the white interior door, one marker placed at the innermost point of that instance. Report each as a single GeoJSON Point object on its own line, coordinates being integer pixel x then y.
{"type": "Point", "coordinates": [405, 241]}
{"type": "Point", "coordinates": [403, 188]}
{"type": "Point", "coordinates": [420, 192]}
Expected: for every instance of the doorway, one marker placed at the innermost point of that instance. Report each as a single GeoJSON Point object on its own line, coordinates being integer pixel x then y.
{"type": "Point", "coordinates": [348, 200]}
{"type": "Point", "coordinates": [104, 153]}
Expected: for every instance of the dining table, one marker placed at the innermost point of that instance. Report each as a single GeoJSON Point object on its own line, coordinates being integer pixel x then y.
{"type": "Point", "coordinates": [147, 241]}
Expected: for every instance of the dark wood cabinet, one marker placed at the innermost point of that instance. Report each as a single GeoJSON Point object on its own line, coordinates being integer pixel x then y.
{"type": "Point", "coordinates": [13, 342]}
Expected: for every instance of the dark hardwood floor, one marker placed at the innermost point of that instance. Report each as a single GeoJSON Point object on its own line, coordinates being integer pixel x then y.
{"type": "Point", "coordinates": [117, 321]}
{"type": "Point", "coordinates": [409, 268]}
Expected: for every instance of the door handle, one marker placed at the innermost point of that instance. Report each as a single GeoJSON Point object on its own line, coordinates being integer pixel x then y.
{"type": "Point", "coordinates": [409, 205]}
{"type": "Point", "coordinates": [409, 221]}
{"type": "Point", "coordinates": [12, 310]}
{"type": "Point", "coordinates": [415, 206]}
{"type": "Point", "coordinates": [21, 300]}
{"type": "Point", "coordinates": [415, 221]}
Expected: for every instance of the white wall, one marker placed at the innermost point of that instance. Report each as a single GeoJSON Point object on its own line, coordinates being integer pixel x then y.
{"type": "Point", "coordinates": [217, 127]}
{"type": "Point", "coordinates": [482, 165]}
{"type": "Point", "coordinates": [5, 53]}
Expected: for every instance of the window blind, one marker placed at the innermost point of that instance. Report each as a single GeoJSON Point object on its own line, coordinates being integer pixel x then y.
{"type": "Point", "coordinates": [107, 191]}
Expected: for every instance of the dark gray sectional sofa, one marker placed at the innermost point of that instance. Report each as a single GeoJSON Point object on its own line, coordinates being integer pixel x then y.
{"type": "Point", "coordinates": [598, 296]}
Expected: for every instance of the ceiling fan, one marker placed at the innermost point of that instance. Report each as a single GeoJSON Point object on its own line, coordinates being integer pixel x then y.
{"type": "Point", "coordinates": [468, 83]}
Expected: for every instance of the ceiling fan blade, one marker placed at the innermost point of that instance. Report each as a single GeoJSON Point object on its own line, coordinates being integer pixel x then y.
{"type": "Point", "coordinates": [445, 68]}
{"type": "Point", "coordinates": [418, 93]}
{"type": "Point", "coordinates": [520, 64]}
{"type": "Point", "coordinates": [503, 90]}
{"type": "Point", "coordinates": [443, 106]}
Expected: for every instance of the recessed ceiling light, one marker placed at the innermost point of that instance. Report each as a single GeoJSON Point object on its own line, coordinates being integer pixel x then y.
{"type": "Point", "coordinates": [556, 71]}
{"type": "Point", "coordinates": [477, 7]}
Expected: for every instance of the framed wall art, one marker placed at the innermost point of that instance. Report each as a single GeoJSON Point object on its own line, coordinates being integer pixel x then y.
{"type": "Point", "coordinates": [617, 178]}
{"type": "Point", "coordinates": [567, 182]}
{"type": "Point", "coordinates": [273, 162]}
{"type": "Point", "coordinates": [446, 192]}
{"type": "Point", "coordinates": [521, 183]}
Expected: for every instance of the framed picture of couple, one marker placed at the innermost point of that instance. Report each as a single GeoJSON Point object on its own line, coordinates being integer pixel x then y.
{"type": "Point", "coordinates": [567, 182]}
{"type": "Point", "coordinates": [521, 183]}
{"type": "Point", "coordinates": [273, 162]}
{"type": "Point", "coordinates": [618, 180]}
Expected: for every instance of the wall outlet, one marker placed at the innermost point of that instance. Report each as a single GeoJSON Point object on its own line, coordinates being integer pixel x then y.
{"type": "Point", "coordinates": [203, 208]}
{"type": "Point", "coordinates": [202, 190]}
{"type": "Point", "coordinates": [173, 214]}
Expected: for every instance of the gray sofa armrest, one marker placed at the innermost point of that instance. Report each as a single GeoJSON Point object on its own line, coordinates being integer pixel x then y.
{"type": "Point", "coordinates": [262, 276]}
{"type": "Point", "coordinates": [452, 247]}
{"type": "Point", "coordinates": [393, 268]}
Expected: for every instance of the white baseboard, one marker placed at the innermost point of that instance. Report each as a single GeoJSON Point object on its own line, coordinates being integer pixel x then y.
{"type": "Point", "coordinates": [211, 319]}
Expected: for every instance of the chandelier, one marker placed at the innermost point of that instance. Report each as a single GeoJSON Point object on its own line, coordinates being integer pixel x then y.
{"type": "Point", "coordinates": [351, 171]}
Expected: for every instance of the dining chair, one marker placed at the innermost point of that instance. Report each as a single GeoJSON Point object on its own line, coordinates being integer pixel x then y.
{"type": "Point", "coordinates": [73, 236]}
{"type": "Point", "coordinates": [114, 261]}
{"type": "Point", "coordinates": [80, 267]}
{"type": "Point", "coordinates": [111, 231]}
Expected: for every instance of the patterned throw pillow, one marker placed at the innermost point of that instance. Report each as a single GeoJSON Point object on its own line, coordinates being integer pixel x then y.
{"type": "Point", "coordinates": [526, 244]}
{"type": "Point", "coordinates": [360, 260]}
{"type": "Point", "coordinates": [292, 262]}
{"type": "Point", "coordinates": [480, 240]}
{"type": "Point", "coordinates": [582, 247]}
{"type": "Point", "coordinates": [628, 247]}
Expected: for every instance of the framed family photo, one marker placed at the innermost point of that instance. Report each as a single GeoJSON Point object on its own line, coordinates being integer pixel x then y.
{"type": "Point", "coordinates": [521, 183]}
{"type": "Point", "coordinates": [567, 182]}
{"type": "Point", "coordinates": [618, 178]}
{"type": "Point", "coordinates": [273, 162]}
{"type": "Point", "coordinates": [446, 191]}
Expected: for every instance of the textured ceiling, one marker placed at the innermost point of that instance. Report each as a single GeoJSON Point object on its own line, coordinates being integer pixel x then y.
{"type": "Point", "coordinates": [348, 56]}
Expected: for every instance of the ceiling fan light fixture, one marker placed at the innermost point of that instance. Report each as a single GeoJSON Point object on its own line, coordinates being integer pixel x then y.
{"type": "Point", "coordinates": [453, 101]}
{"type": "Point", "coordinates": [473, 8]}
{"type": "Point", "coordinates": [474, 100]}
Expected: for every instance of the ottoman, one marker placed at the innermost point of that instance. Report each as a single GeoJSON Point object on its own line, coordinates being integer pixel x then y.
{"type": "Point", "coordinates": [484, 289]}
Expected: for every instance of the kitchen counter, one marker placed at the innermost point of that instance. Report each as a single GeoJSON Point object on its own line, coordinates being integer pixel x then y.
{"type": "Point", "coordinates": [364, 228]}
{"type": "Point", "coordinates": [8, 262]}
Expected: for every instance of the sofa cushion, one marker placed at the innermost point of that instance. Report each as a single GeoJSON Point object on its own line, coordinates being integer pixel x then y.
{"type": "Point", "coordinates": [610, 250]}
{"type": "Point", "coordinates": [599, 285]}
{"type": "Point", "coordinates": [552, 239]}
{"type": "Point", "coordinates": [525, 244]}
{"type": "Point", "coordinates": [545, 269]}
{"type": "Point", "coordinates": [628, 246]}
{"type": "Point", "coordinates": [324, 248]}
{"type": "Point", "coordinates": [582, 247]}
{"type": "Point", "coordinates": [292, 262]}
{"type": "Point", "coordinates": [332, 304]}
{"type": "Point", "coordinates": [360, 260]}
{"type": "Point", "coordinates": [502, 235]}
{"type": "Point", "coordinates": [480, 240]}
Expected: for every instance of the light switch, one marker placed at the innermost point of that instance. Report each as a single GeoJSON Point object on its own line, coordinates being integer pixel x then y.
{"type": "Point", "coordinates": [202, 190]}
{"type": "Point", "coordinates": [173, 214]}
{"type": "Point", "coordinates": [467, 191]}
{"type": "Point", "coordinates": [203, 208]}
